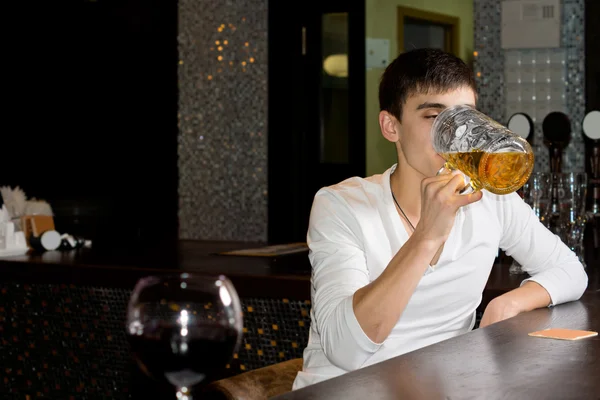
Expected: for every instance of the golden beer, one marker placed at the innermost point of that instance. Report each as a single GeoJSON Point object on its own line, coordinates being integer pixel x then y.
{"type": "Point", "coordinates": [499, 173]}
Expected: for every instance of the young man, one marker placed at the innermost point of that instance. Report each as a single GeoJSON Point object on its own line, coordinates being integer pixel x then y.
{"type": "Point", "coordinates": [400, 260]}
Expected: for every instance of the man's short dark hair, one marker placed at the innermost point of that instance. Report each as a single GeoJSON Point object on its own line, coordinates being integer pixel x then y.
{"type": "Point", "coordinates": [421, 71]}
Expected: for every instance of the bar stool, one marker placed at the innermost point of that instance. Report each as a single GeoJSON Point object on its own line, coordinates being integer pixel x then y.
{"type": "Point", "coordinates": [259, 384]}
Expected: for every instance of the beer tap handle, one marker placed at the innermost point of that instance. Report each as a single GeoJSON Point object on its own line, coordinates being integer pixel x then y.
{"type": "Point", "coordinates": [594, 222]}
{"type": "Point", "coordinates": [522, 125]}
{"type": "Point", "coordinates": [595, 161]}
{"type": "Point", "coordinates": [556, 127]}
{"type": "Point", "coordinates": [591, 131]}
{"type": "Point", "coordinates": [555, 159]}
{"type": "Point", "coordinates": [595, 182]}
{"type": "Point", "coordinates": [596, 234]}
{"type": "Point", "coordinates": [557, 134]}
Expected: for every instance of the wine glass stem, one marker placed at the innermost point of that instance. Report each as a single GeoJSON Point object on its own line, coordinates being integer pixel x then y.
{"type": "Point", "coordinates": [184, 393]}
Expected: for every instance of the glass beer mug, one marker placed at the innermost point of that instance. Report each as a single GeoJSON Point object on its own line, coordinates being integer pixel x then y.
{"type": "Point", "coordinates": [490, 155]}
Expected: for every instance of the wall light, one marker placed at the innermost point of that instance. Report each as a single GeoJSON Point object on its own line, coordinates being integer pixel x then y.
{"type": "Point", "coordinates": [336, 65]}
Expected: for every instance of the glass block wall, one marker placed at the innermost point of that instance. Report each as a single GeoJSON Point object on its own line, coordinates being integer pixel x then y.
{"type": "Point", "coordinates": [534, 81]}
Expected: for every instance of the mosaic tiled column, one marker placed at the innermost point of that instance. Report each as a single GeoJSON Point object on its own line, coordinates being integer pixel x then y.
{"type": "Point", "coordinates": [222, 120]}
{"type": "Point", "coordinates": [493, 84]}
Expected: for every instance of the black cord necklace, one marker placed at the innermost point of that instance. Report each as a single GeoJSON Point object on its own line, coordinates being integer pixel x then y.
{"type": "Point", "coordinates": [400, 208]}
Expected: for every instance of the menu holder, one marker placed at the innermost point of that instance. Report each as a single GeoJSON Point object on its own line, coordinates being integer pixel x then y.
{"type": "Point", "coordinates": [35, 225]}
{"type": "Point", "coordinates": [269, 251]}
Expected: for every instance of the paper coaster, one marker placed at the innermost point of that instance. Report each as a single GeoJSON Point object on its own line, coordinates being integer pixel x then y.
{"type": "Point", "coordinates": [563, 334]}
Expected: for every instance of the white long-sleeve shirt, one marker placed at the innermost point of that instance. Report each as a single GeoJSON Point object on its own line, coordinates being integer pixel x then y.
{"type": "Point", "coordinates": [355, 231]}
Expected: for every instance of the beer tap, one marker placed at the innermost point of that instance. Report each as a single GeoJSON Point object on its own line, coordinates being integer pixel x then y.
{"type": "Point", "coordinates": [591, 133]}
{"type": "Point", "coordinates": [595, 180]}
{"type": "Point", "coordinates": [557, 134]}
{"type": "Point", "coordinates": [522, 125]}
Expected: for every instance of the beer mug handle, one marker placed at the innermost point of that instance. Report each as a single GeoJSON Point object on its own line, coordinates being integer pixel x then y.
{"type": "Point", "coordinates": [468, 189]}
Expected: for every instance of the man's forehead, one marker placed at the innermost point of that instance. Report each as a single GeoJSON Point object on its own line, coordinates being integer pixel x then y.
{"type": "Point", "coordinates": [442, 99]}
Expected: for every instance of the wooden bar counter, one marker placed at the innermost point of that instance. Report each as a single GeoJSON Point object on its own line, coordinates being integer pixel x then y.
{"type": "Point", "coordinates": [497, 362]}
{"type": "Point", "coordinates": [62, 313]}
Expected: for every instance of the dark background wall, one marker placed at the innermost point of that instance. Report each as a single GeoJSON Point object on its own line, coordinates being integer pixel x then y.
{"type": "Point", "coordinates": [592, 55]}
{"type": "Point", "coordinates": [90, 115]}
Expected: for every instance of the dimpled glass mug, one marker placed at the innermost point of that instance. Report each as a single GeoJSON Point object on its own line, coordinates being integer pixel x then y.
{"type": "Point", "coordinates": [490, 155]}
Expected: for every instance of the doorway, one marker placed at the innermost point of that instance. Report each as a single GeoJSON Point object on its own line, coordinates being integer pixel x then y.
{"type": "Point", "coordinates": [423, 29]}
{"type": "Point", "coordinates": [316, 107]}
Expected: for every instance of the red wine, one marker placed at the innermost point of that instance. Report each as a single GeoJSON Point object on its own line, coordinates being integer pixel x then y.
{"type": "Point", "coordinates": [184, 357]}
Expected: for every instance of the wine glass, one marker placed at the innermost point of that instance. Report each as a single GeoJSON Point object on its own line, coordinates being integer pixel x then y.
{"type": "Point", "coordinates": [572, 217]}
{"type": "Point", "coordinates": [184, 328]}
{"type": "Point", "coordinates": [537, 193]}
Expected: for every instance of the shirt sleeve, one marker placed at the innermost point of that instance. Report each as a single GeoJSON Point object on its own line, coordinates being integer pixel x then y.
{"type": "Point", "coordinates": [541, 253]}
{"type": "Point", "coordinates": [339, 269]}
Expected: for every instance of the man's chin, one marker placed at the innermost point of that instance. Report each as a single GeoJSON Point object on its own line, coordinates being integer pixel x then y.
{"type": "Point", "coordinates": [440, 162]}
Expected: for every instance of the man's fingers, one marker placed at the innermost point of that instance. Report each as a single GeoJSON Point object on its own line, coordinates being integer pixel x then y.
{"type": "Point", "coordinates": [465, 199]}
{"type": "Point", "coordinates": [449, 185]}
{"type": "Point", "coordinates": [444, 177]}
{"type": "Point", "coordinates": [455, 184]}
{"type": "Point", "coordinates": [432, 187]}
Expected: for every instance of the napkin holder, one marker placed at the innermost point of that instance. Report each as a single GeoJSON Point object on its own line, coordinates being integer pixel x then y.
{"type": "Point", "coordinates": [11, 243]}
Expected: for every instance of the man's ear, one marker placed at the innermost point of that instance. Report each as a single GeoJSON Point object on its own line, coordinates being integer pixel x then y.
{"type": "Point", "coordinates": [389, 126]}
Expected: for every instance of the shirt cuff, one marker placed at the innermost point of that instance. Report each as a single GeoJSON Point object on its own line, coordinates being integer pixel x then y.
{"type": "Point", "coordinates": [546, 283]}
{"type": "Point", "coordinates": [360, 337]}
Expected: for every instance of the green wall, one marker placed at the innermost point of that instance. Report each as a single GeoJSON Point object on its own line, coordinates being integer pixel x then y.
{"type": "Point", "coordinates": [381, 23]}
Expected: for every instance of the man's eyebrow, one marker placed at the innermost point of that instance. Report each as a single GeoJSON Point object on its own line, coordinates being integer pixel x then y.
{"type": "Point", "coordinates": [431, 105]}
{"type": "Point", "coordinates": [437, 105]}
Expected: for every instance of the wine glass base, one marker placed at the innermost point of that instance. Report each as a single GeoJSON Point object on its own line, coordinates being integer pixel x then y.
{"type": "Point", "coordinates": [184, 393]}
